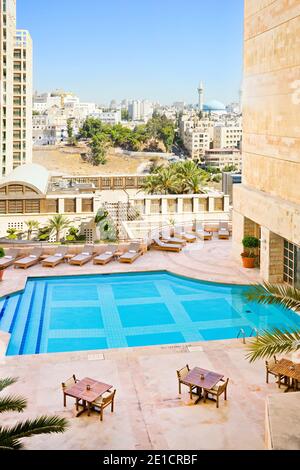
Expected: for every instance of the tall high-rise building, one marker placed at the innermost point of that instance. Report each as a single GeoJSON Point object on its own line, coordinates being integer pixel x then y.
{"type": "Point", "coordinates": [267, 203]}
{"type": "Point", "coordinates": [201, 96]}
{"type": "Point", "coordinates": [15, 91]}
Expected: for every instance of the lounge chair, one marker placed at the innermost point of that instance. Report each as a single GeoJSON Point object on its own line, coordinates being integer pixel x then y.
{"type": "Point", "coordinates": [9, 258]}
{"type": "Point", "coordinates": [168, 239]}
{"type": "Point", "coordinates": [29, 260]}
{"type": "Point", "coordinates": [223, 232]}
{"type": "Point", "coordinates": [203, 234]}
{"type": "Point", "coordinates": [107, 256]}
{"type": "Point", "coordinates": [84, 257]}
{"type": "Point", "coordinates": [181, 375]}
{"type": "Point", "coordinates": [217, 390]}
{"type": "Point", "coordinates": [189, 237]}
{"type": "Point", "coordinates": [103, 401]}
{"type": "Point", "coordinates": [163, 246]}
{"type": "Point", "coordinates": [133, 252]}
{"type": "Point", "coordinates": [55, 259]}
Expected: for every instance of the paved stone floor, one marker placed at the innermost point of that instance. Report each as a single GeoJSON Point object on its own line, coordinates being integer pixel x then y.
{"type": "Point", "coordinates": [149, 412]}
{"type": "Point", "coordinates": [211, 261]}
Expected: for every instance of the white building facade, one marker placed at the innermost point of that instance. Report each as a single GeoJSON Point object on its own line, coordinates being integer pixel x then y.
{"type": "Point", "coordinates": [15, 90]}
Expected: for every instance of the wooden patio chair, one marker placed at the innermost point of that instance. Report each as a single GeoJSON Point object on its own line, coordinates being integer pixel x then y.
{"type": "Point", "coordinates": [103, 401]}
{"type": "Point", "coordinates": [269, 365]}
{"type": "Point", "coordinates": [181, 375]}
{"type": "Point", "coordinates": [66, 384]}
{"type": "Point", "coordinates": [281, 379]}
{"type": "Point", "coordinates": [217, 391]}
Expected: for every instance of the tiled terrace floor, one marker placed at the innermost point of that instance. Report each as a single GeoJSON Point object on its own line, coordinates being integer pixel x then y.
{"type": "Point", "coordinates": [211, 261]}
{"type": "Point", "coordinates": [149, 412]}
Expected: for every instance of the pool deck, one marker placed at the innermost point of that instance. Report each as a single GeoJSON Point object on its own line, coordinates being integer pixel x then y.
{"type": "Point", "coordinates": [149, 412]}
{"type": "Point", "coordinates": [209, 261]}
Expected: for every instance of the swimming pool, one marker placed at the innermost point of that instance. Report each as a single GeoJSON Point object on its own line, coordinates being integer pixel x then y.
{"type": "Point", "coordinates": [59, 314]}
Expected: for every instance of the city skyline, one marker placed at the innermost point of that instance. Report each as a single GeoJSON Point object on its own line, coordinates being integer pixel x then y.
{"type": "Point", "coordinates": [145, 63]}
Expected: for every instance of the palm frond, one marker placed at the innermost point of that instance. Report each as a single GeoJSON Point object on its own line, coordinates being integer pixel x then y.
{"type": "Point", "coordinates": [275, 294]}
{"type": "Point", "coordinates": [273, 342]}
{"type": "Point", "coordinates": [7, 382]}
{"type": "Point", "coordinates": [12, 403]}
{"type": "Point", "coordinates": [10, 436]}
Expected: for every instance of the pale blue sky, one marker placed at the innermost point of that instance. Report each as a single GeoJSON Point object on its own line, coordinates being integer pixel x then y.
{"type": "Point", "coordinates": [152, 49]}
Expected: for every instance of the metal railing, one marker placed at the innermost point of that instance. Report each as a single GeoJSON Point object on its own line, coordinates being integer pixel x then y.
{"type": "Point", "coordinates": [243, 334]}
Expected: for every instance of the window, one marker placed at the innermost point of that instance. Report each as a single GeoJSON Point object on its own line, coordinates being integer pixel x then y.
{"type": "Point", "coordinates": [32, 206]}
{"type": "Point", "coordinates": [15, 207]}
{"type": "Point", "coordinates": [51, 206]}
{"type": "Point", "coordinates": [70, 205]}
{"type": "Point", "coordinates": [2, 207]}
{"type": "Point", "coordinates": [87, 205]}
{"type": "Point", "coordinates": [291, 264]}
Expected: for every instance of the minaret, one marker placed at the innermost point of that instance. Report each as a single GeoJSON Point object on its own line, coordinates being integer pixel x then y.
{"type": "Point", "coordinates": [201, 95]}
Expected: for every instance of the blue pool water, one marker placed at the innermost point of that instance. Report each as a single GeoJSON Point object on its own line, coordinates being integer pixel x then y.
{"type": "Point", "coordinates": [60, 314]}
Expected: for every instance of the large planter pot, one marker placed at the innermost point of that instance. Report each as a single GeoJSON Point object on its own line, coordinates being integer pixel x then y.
{"type": "Point", "coordinates": [1, 274]}
{"type": "Point", "coordinates": [248, 262]}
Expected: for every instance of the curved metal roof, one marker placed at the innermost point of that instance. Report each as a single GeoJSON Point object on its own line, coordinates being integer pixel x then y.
{"type": "Point", "coordinates": [32, 174]}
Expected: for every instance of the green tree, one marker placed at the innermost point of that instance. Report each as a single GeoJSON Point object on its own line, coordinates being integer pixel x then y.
{"type": "Point", "coordinates": [70, 128]}
{"type": "Point", "coordinates": [11, 437]}
{"type": "Point", "coordinates": [31, 226]}
{"type": "Point", "coordinates": [12, 233]}
{"type": "Point", "coordinates": [90, 128]}
{"type": "Point", "coordinates": [230, 168]}
{"type": "Point", "coordinates": [276, 341]}
{"type": "Point", "coordinates": [99, 147]}
{"type": "Point", "coordinates": [58, 223]}
{"type": "Point", "coordinates": [44, 233]}
{"type": "Point", "coordinates": [125, 115]}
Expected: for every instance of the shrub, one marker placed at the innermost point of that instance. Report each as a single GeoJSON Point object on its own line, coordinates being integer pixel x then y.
{"type": "Point", "coordinates": [250, 243]}
{"type": "Point", "coordinates": [2, 253]}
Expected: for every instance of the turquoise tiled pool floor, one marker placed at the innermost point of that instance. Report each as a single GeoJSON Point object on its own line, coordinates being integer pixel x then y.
{"type": "Point", "coordinates": [126, 310]}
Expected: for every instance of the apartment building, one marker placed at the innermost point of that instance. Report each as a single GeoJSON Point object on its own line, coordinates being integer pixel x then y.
{"type": "Point", "coordinates": [227, 136]}
{"type": "Point", "coordinates": [15, 90]}
{"type": "Point", "coordinates": [267, 203]}
{"type": "Point", "coordinates": [196, 142]}
{"type": "Point", "coordinates": [220, 158]}
{"type": "Point", "coordinates": [44, 101]}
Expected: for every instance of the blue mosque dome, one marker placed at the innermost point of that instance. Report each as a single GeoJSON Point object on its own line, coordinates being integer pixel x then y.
{"type": "Point", "coordinates": [214, 106]}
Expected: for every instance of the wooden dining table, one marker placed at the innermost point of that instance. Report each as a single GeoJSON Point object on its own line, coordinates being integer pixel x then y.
{"type": "Point", "coordinates": [86, 390]}
{"type": "Point", "coordinates": [289, 369]}
{"type": "Point", "coordinates": [194, 379]}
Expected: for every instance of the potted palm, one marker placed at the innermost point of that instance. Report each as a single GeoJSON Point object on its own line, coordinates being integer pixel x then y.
{"type": "Point", "coordinates": [249, 255]}
{"type": "Point", "coordinates": [1, 270]}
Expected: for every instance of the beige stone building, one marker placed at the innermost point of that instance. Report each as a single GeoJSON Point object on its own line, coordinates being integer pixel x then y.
{"type": "Point", "coordinates": [267, 204]}
{"type": "Point", "coordinates": [30, 193]}
{"type": "Point", "coordinates": [15, 91]}
{"type": "Point", "coordinates": [220, 158]}
{"type": "Point", "coordinates": [227, 136]}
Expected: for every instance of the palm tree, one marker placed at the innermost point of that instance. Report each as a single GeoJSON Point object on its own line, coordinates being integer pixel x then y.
{"type": "Point", "coordinates": [150, 184]}
{"type": "Point", "coordinates": [167, 181]}
{"type": "Point", "coordinates": [31, 225]}
{"type": "Point", "coordinates": [10, 436]}
{"type": "Point", "coordinates": [58, 223]}
{"type": "Point", "coordinates": [12, 233]}
{"type": "Point", "coordinates": [275, 341]}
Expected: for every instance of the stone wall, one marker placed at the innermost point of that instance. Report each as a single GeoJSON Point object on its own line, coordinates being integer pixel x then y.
{"type": "Point", "coordinates": [270, 194]}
